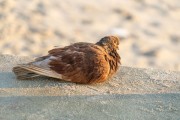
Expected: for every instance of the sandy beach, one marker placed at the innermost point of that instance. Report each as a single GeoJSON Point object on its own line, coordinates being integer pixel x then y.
{"type": "Point", "coordinates": [149, 29]}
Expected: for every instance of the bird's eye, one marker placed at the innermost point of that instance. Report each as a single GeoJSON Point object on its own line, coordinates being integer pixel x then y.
{"type": "Point", "coordinates": [115, 42]}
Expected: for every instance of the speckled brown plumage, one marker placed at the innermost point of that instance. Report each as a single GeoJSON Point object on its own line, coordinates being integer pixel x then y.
{"type": "Point", "coordinates": [78, 63]}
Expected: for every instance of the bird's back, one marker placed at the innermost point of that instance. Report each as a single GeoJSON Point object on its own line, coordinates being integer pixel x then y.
{"type": "Point", "coordinates": [79, 63]}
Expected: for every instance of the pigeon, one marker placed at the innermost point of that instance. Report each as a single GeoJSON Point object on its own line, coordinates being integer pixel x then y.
{"type": "Point", "coordinates": [81, 62]}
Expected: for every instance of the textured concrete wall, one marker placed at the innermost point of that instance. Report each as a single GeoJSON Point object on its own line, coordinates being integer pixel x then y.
{"type": "Point", "coordinates": [133, 93]}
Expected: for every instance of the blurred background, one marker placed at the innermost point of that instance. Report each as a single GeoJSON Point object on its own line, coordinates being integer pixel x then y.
{"type": "Point", "coordinates": [149, 29]}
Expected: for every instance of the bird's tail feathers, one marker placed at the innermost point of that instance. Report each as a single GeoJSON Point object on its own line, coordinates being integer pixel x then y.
{"type": "Point", "coordinates": [26, 71]}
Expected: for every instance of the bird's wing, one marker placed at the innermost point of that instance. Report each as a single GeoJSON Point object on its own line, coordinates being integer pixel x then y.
{"type": "Point", "coordinates": [63, 63]}
{"type": "Point", "coordinates": [70, 63]}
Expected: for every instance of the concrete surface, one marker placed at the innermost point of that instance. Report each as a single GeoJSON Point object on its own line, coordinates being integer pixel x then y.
{"type": "Point", "coordinates": [133, 93]}
{"type": "Point", "coordinates": [98, 107]}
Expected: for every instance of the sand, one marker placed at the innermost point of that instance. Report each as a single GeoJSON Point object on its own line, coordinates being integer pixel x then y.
{"type": "Point", "coordinates": [149, 29]}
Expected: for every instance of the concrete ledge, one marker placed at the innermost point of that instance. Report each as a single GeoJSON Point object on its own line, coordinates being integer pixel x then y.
{"type": "Point", "coordinates": [98, 107]}
{"type": "Point", "coordinates": [133, 93]}
{"type": "Point", "coordinates": [127, 81]}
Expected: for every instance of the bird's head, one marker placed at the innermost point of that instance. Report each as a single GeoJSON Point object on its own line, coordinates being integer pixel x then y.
{"type": "Point", "coordinates": [110, 43]}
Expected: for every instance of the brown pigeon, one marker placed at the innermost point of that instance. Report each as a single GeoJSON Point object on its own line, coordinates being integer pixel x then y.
{"type": "Point", "coordinates": [79, 63]}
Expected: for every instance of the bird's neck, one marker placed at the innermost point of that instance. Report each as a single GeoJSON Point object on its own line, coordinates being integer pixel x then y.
{"type": "Point", "coordinates": [111, 51]}
{"type": "Point", "coordinates": [114, 62]}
